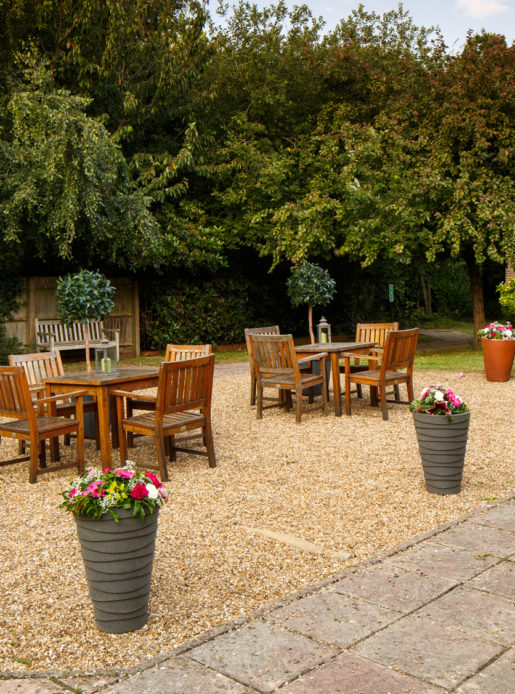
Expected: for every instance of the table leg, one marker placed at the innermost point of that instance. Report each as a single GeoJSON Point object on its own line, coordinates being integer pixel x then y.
{"type": "Point", "coordinates": [337, 393]}
{"type": "Point", "coordinates": [103, 426]}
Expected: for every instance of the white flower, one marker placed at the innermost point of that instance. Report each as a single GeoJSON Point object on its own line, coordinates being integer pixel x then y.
{"type": "Point", "coordinates": [438, 396]}
{"type": "Point", "coordinates": [508, 333]}
{"type": "Point", "coordinates": [152, 491]}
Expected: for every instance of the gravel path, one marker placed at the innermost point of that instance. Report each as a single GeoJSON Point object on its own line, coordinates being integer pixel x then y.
{"type": "Point", "coordinates": [287, 506]}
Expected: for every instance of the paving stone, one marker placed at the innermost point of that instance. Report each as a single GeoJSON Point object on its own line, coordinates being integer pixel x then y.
{"type": "Point", "coordinates": [88, 685]}
{"type": "Point", "coordinates": [392, 587]}
{"type": "Point", "coordinates": [336, 619]}
{"type": "Point", "coordinates": [432, 559]}
{"type": "Point", "coordinates": [178, 676]}
{"type": "Point", "coordinates": [497, 678]}
{"type": "Point", "coordinates": [499, 579]}
{"type": "Point", "coordinates": [350, 674]}
{"type": "Point", "coordinates": [481, 614]}
{"type": "Point", "coordinates": [502, 516]}
{"type": "Point", "coordinates": [479, 538]}
{"type": "Point", "coordinates": [30, 686]}
{"type": "Point", "coordinates": [262, 655]}
{"type": "Point", "coordinates": [439, 653]}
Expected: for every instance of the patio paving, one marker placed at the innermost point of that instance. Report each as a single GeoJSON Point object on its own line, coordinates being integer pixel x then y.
{"type": "Point", "coordinates": [435, 615]}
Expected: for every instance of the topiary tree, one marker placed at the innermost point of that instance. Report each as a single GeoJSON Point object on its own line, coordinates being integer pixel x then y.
{"type": "Point", "coordinates": [83, 297]}
{"type": "Point", "coordinates": [310, 284]}
{"type": "Point", "coordinates": [507, 297]}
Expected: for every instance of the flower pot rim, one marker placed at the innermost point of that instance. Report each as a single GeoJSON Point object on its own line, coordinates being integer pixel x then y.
{"type": "Point", "coordinates": [445, 417]}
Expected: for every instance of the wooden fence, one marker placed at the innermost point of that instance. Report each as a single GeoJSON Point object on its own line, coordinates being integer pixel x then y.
{"type": "Point", "coordinates": [38, 301]}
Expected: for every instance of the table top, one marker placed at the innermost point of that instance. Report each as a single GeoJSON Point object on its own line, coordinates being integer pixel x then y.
{"type": "Point", "coordinates": [92, 378]}
{"type": "Point", "coordinates": [334, 346]}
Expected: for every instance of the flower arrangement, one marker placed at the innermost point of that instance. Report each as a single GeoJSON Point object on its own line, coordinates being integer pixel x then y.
{"type": "Point", "coordinates": [96, 492]}
{"type": "Point", "coordinates": [439, 400]}
{"type": "Point", "coordinates": [497, 331]}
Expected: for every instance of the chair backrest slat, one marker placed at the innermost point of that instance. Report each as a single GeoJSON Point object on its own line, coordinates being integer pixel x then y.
{"type": "Point", "coordinates": [39, 365]}
{"type": "Point", "coordinates": [399, 350]}
{"type": "Point", "coordinates": [185, 384]}
{"type": "Point", "coordinates": [15, 398]}
{"type": "Point", "coordinates": [374, 332]}
{"type": "Point", "coordinates": [273, 353]}
{"type": "Point", "coordinates": [181, 352]}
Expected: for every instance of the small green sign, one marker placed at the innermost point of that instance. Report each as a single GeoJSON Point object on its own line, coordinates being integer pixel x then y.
{"type": "Point", "coordinates": [390, 293]}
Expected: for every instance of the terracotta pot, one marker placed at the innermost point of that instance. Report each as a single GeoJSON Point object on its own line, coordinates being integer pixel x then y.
{"type": "Point", "coordinates": [498, 357]}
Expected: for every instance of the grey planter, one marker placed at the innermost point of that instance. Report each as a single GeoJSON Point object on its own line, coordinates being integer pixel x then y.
{"type": "Point", "coordinates": [442, 445]}
{"type": "Point", "coordinates": [118, 559]}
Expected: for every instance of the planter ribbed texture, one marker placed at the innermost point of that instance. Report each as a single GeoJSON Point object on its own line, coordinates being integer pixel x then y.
{"type": "Point", "coordinates": [442, 445]}
{"type": "Point", "coordinates": [498, 356]}
{"type": "Point", "coordinates": [118, 560]}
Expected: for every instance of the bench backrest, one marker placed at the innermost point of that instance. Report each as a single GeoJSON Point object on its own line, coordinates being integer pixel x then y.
{"type": "Point", "coordinates": [45, 328]}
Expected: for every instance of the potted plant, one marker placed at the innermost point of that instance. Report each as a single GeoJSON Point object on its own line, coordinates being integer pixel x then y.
{"type": "Point", "coordinates": [441, 421]}
{"type": "Point", "coordinates": [310, 284]}
{"type": "Point", "coordinates": [116, 513]}
{"type": "Point", "coordinates": [498, 343]}
{"type": "Point", "coordinates": [82, 297]}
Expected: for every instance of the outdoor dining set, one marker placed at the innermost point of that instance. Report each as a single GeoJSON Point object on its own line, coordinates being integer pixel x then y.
{"type": "Point", "coordinates": [40, 401]}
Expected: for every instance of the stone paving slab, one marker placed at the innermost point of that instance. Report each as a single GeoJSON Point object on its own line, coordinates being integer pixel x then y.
{"type": "Point", "coordinates": [438, 653]}
{"type": "Point", "coordinates": [497, 678]}
{"type": "Point", "coordinates": [502, 516]}
{"type": "Point", "coordinates": [180, 676]}
{"type": "Point", "coordinates": [335, 619]}
{"type": "Point", "coordinates": [392, 587]}
{"type": "Point", "coordinates": [30, 686]}
{"type": "Point", "coordinates": [350, 674]}
{"type": "Point", "coordinates": [479, 538]}
{"type": "Point", "coordinates": [262, 655]}
{"type": "Point", "coordinates": [500, 580]}
{"type": "Point", "coordinates": [486, 616]}
{"type": "Point", "coordinates": [432, 559]}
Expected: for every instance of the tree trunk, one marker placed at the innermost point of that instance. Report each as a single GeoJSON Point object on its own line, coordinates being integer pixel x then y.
{"type": "Point", "coordinates": [310, 318]}
{"type": "Point", "coordinates": [426, 294]}
{"type": "Point", "coordinates": [476, 287]}
{"type": "Point", "coordinates": [86, 342]}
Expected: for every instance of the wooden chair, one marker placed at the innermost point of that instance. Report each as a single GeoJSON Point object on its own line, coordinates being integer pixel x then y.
{"type": "Point", "coordinates": [41, 365]}
{"type": "Point", "coordinates": [396, 367]}
{"type": "Point", "coordinates": [265, 330]}
{"type": "Point", "coordinates": [276, 366]}
{"type": "Point", "coordinates": [183, 403]}
{"type": "Point", "coordinates": [173, 353]}
{"type": "Point", "coordinates": [371, 332]}
{"type": "Point", "coordinates": [28, 421]}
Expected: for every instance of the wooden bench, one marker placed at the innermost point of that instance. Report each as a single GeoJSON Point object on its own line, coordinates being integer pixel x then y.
{"type": "Point", "coordinates": [53, 335]}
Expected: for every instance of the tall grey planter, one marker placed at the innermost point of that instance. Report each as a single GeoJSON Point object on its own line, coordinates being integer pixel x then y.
{"type": "Point", "coordinates": [118, 559]}
{"type": "Point", "coordinates": [442, 445]}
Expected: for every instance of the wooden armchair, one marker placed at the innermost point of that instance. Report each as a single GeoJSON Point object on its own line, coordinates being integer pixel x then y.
{"type": "Point", "coordinates": [265, 330]}
{"type": "Point", "coordinates": [173, 353]}
{"type": "Point", "coordinates": [28, 421]}
{"type": "Point", "coordinates": [371, 332]}
{"type": "Point", "coordinates": [182, 403]}
{"type": "Point", "coordinates": [276, 366]}
{"type": "Point", "coordinates": [43, 365]}
{"type": "Point", "coordinates": [396, 367]}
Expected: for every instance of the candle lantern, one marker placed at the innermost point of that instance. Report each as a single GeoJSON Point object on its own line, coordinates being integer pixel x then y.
{"type": "Point", "coordinates": [323, 331]}
{"type": "Point", "coordinates": [105, 357]}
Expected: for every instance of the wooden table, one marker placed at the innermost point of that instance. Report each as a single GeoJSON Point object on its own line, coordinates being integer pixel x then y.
{"type": "Point", "coordinates": [334, 349]}
{"type": "Point", "coordinates": [100, 386]}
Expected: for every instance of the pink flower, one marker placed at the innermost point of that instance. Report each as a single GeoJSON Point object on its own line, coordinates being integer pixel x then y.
{"type": "Point", "coordinates": [140, 491]}
{"type": "Point", "coordinates": [93, 489]}
{"type": "Point", "coordinates": [150, 476]}
{"type": "Point", "coordinates": [126, 474]}
{"type": "Point", "coordinates": [461, 374]}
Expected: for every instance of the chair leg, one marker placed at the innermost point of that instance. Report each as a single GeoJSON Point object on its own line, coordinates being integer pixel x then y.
{"type": "Point", "coordinates": [55, 455]}
{"type": "Point", "coordinates": [130, 435]}
{"type": "Point", "coordinates": [122, 442]}
{"type": "Point", "coordinates": [347, 397]}
{"type": "Point", "coordinates": [80, 449]}
{"type": "Point", "coordinates": [170, 446]}
{"type": "Point", "coordinates": [359, 390]}
{"type": "Point", "coordinates": [97, 432]}
{"type": "Point", "coordinates": [252, 387]}
{"type": "Point", "coordinates": [382, 400]}
{"type": "Point", "coordinates": [324, 398]}
{"type": "Point", "coordinates": [208, 437]}
{"type": "Point", "coordinates": [34, 460]}
{"type": "Point", "coordinates": [259, 403]}
{"type": "Point", "coordinates": [298, 405]}
{"type": "Point", "coordinates": [161, 455]}
{"type": "Point", "coordinates": [409, 386]}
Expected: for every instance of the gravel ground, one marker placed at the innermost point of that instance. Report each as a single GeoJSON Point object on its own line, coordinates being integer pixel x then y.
{"type": "Point", "coordinates": [236, 537]}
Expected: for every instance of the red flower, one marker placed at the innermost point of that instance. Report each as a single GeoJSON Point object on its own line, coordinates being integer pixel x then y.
{"type": "Point", "coordinates": [139, 491]}
{"type": "Point", "coordinates": [150, 476]}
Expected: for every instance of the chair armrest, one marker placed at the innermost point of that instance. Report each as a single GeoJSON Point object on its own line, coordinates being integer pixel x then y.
{"type": "Point", "coordinates": [314, 357]}
{"type": "Point", "coordinates": [355, 355]}
{"type": "Point", "coordinates": [61, 396]}
{"type": "Point", "coordinates": [132, 395]}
